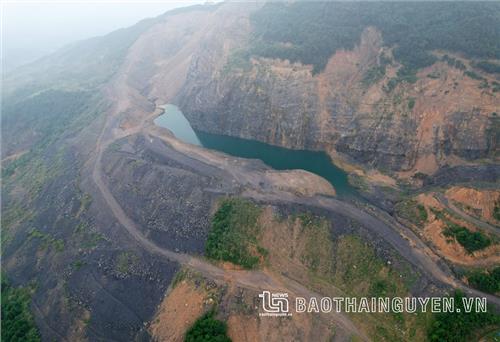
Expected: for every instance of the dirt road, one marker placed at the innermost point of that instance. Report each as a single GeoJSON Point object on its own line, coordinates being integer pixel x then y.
{"type": "Point", "coordinates": [403, 240]}
{"type": "Point", "coordinates": [457, 211]}
{"type": "Point", "coordinates": [254, 280]}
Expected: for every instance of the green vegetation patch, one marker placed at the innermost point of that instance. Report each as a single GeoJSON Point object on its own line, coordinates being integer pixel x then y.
{"type": "Point", "coordinates": [234, 232]}
{"type": "Point", "coordinates": [47, 240]}
{"type": "Point", "coordinates": [487, 281]}
{"type": "Point", "coordinates": [180, 276]}
{"type": "Point", "coordinates": [404, 74]}
{"type": "Point", "coordinates": [85, 202]}
{"type": "Point", "coordinates": [310, 32]}
{"type": "Point", "coordinates": [11, 216]}
{"type": "Point", "coordinates": [373, 75]}
{"type": "Point", "coordinates": [18, 324]}
{"type": "Point", "coordinates": [36, 124]}
{"type": "Point", "coordinates": [207, 329]}
{"type": "Point", "coordinates": [125, 261]}
{"type": "Point", "coordinates": [471, 241]}
{"type": "Point", "coordinates": [412, 211]}
{"type": "Point", "coordinates": [33, 171]}
{"type": "Point", "coordinates": [78, 264]}
{"type": "Point", "coordinates": [86, 236]}
{"type": "Point", "coordinates": [473, 75]}
{"type": "Point", "coordinates": [358, 182]}
{"type": "Point", "coordinates": [459, 326]}
{"type": "Point", "coordinates": [43, 117]}
{"type": "Point", "coordinates": [489, 67]}
{"type": "Point", "coordinates": [237, 60]}
{"type": "Point", "coordinates": [496, 88]}
{"type": "Point", "coordinates": [496, 211]}
{"type": "Point", "coordinates": [359, 271]}
{"type": "Point", "coordinates": [453, 62]}
{"type": "Point", "coordinates": [318, 244]}
{"type": "Point", "coordinates": [411, 103]}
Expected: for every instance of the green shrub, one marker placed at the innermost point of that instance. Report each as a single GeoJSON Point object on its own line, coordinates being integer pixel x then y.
{"type": "Point", "coordinates": [383, 288]}
{"type": "Point", "coordinates": [373, 75]}
{"type": "Point", "coordinates": [496, 212]}
{"type": "Point", "coordinates": [47, 240]}
{"type": "Point", "coordinates": [125, 261]}
{"type": "Point", "coordinates": [407, 74]}
{"type": "Point", "coordinates": [422, 213]}
{"type": "Point", "coordinates": [459, 326]}
{"type": "Point", "coordinates": [485, 281]}
{"type": "Point", "coordinates": [17, 321]}
{"type": "Point", "coordinates": [484, 84]}
{"type": "Point", "coordinates": [473, 75]}
{"type": "Point", "coordinates": [234, 231]}
{"type": "Point", "coordinates": [496, 87]}
{"type": "Point", "coordinates": [391, 84]}
{"type": "Point", "coordinates": [471, 241]}
{"type": "Point", "coordinates": [207, 329]}
{"type": "Point", "coordinates": [453, 62]}
{"type": "Point", "coordinates": [411, 103]}
{"type": "Point", "coordinates": [403, 75]}
{"type": "Point", "coordinates": [489, 67]}
{"type": "Point", "coordinates": [412, 211]}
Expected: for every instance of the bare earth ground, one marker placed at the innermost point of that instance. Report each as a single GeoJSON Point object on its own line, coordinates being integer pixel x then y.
{"type": "Point", "coordinates": [418, 255]}
{"type": "Point", "coordinates": [131, 107]}
{"type": "Point", "coordinates": [449, 248]}
{"type": "Point", "coordinates": [178, 311]}
{"type": "Point", "coordinates": [482, 201]}
{"type": "Point", "coordinates": [194, 296]}
{"type": "Point", "coordinates": [247, 279]}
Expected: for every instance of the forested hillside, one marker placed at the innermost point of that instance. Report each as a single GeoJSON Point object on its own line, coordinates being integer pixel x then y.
{"type": "Point", "coordinates": [310, 32]}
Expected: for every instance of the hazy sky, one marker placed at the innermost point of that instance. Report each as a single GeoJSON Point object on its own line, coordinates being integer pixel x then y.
{"type": "Point", "coordinates": [33, 29]}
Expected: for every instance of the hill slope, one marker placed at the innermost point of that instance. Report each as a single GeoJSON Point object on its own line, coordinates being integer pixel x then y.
{"type": "Point", "coordinates": [99, 206]}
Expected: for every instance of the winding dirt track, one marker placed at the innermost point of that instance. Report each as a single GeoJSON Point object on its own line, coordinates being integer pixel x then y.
{"type": "Point", "coordinates": [254, 280]}
{"type": "Point", "coordinates": [411, 247]}
{"type": "Point", "coordinates": [401, 238]}
{"type": "Point", "coordinates": [398, 236]}
{"type": "Point", "coordinates": [460, 213]}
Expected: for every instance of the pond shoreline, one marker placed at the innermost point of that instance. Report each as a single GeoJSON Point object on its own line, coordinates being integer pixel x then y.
{"type": "Point", "coordinates": [276, 157]}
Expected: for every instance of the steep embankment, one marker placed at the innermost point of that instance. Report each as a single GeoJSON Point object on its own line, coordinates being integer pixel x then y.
{"type": "Point", "coordinates": [101, 261]}
{"type": "Point", "coordinates": [367, 97]}
{"type": "Point", "coordinates": [130, 117]}
{"type": "Point", "coordinates": [364, 98]}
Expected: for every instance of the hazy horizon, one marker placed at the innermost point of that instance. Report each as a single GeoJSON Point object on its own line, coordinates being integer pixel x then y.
{"type": "Point", "coordinates": [31, 31]}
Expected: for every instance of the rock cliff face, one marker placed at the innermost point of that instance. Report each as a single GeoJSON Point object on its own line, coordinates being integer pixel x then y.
{"type": "Point", "coordinates": [94, 280]}
{"type": "Point", "coordinates": [444, 118]}
{"type": "Point", "coordinates": [357, 107]}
